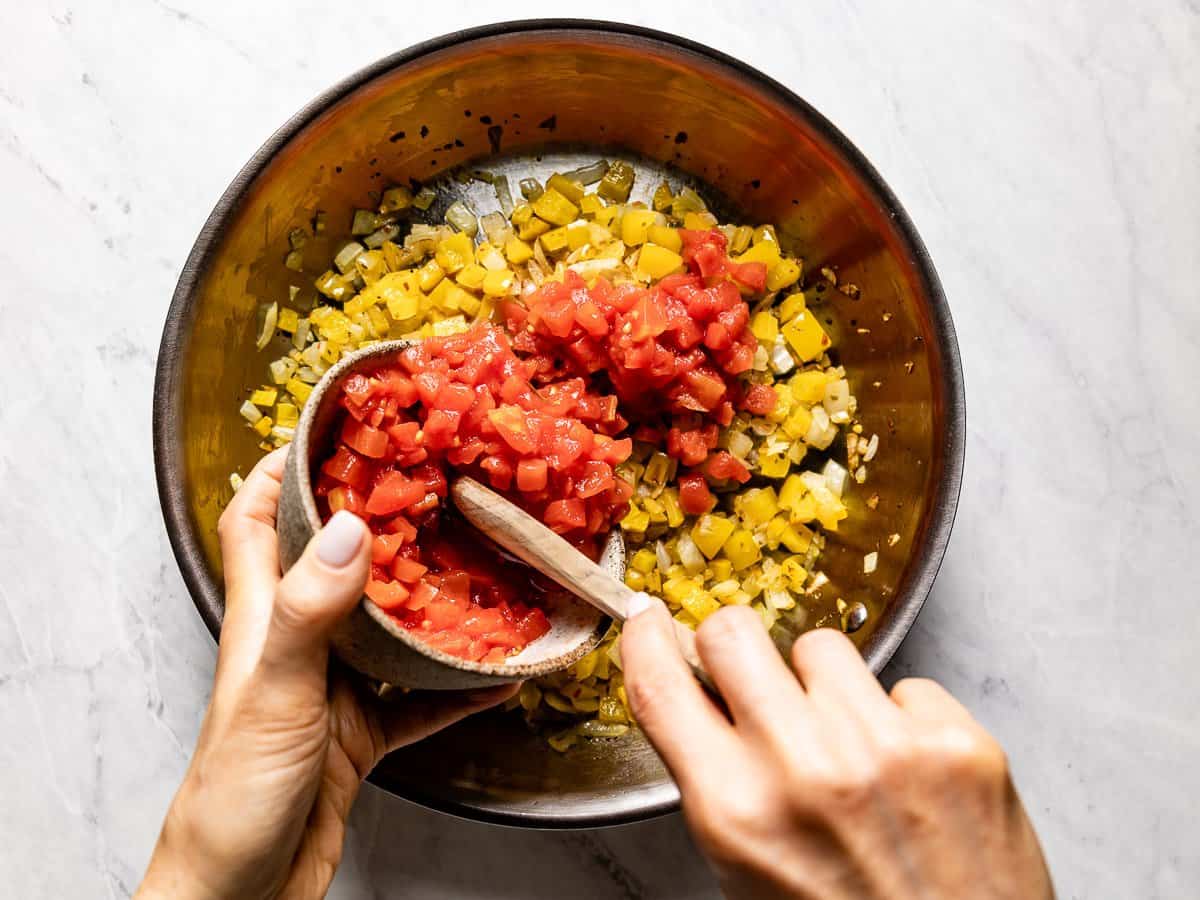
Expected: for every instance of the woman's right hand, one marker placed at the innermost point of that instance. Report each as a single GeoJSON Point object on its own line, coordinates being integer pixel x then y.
{"type": "Point", "coordinates": [817, 783]}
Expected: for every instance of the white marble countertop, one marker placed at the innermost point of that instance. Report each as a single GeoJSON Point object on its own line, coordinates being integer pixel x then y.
{"type": "Point", "coordinates": [1047, 152]}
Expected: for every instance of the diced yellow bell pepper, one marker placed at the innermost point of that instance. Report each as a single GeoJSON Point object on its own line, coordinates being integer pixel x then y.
{"type": "Point", "coordinates": [796, 424]}
{"type": "Point", "coordinates": [665, 236]}
{"type": "Point", "coordinates": [758, 506]}
{"type": "Point", "coordinates": [636, 520]}
{"type": "Point", "coordinates": [590, 204]}
{"type": "Point", "coordinates": [379, 322]}
{"type": "Point", "coordinates": [741, 550]}
{"type": "Point", "coordinates": [429, 275]}
{"type": "Point", "coordinates": [830, 513]}
{"type": "Point", "coordinates": [532, 229]}
{"type": "Point", "coordinates": [403, 306]}
{"type": "Point", "coordinates": [783, 274]}
{"type": "Point", "coordinates": [554, 240]}
{"type": "Point", "coordinates": [699, 221]}
{"type": "Point", "coordinates": [644, 560]}
{"type": "Point", "coordinates": [517, 250]}
{"type": "Point", "coordinates": [670, 501]}
{"type": "Point", "coordinates": [521, 214]}
{"type": "Point", "coordinates": [635, 225]}
{"type": "Point", "coordinates": [700, 604]}
{"type": "Point", "coordinates": [471, 276]}
{"type": "Point", "coordinates": [804, 509]}
{"type": "Point", "coordinates": [658, 513]}
{"type": "Point", "coordinates": [711, 532]}
{"type": "Point", "coordinates": [773, 465]}
{"type": "Point", "coordinates": [299, 390]}
{"type": "Point", "coordinates": [455, 252]}
{"type": "Point", "coordinates": [795, 573]}
{"type": "Point", "coordinates": [499, 283]}
{"type": "Point", "coordinates": [606, 216]}
{"type": "Point", "coordinates": [288, 320]}
{"type": "Point", "coordinates": [721, 569]}
{"type": "Point", "coordinates": [555, 208]}
{"type": "Point", "coordinates": [675, 589]}
{"type": "Point", "coordinates": [572, 190]}
{"type": "Point", "coordinates": [809, 387]}
{"type": "Point", "coordinates": [263, 426]}
{"type": "Point", "coordinates": [806, 336]}
{"type": "Point", "coordinates": [656, 262]}
{"type": "Point", "coordinates": [765, 326]}
{"type": "Point", "coordinates": [796, 538]}
{"type": "Point", "coordinates": [611, 711]}
{"type": "Point", "coordinates": [766, 252]}
{"type": "Point", "coordinates": [395, 199]}
{"type": "Point", "coordinates": [287, 415]}
{"type": "Point", "coordinates": [774, 531]}
{"type": "Point", "coordinates": [791, 491]}
{"type": "Point", "coordinates": [792, 305]}
{"type": "Point", "coordinates": [264, 396]}
{"type": "Point", "coordinates": [635, 580]}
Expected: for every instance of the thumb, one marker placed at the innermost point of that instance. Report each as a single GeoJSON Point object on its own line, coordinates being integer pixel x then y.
{"type": "Point", "coordinates": [316, 593]}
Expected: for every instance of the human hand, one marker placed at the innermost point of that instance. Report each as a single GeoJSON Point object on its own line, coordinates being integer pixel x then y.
{"type": "Point", "coordinates": [820, 785]}
{"type": "Point", "coordinates": [286, 742]}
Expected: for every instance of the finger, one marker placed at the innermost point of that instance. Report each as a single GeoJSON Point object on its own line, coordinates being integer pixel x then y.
{"type": "Point", "coordinates": [760, 690]}
{"type": "Point", "coordinates": [682, 723]}
{"type": "Point", "coordinates": [420, 714]}
{"type": "Point", "coordinates": [249, 546]}
{"type": "Point", "coordinates": [317, 592]}
{"type": "Point", "coordinates": [250, 557]}
{"type": "Point", "coordinates": [830, 665]}
{"type": "Point", "coordinates": [928, 701]}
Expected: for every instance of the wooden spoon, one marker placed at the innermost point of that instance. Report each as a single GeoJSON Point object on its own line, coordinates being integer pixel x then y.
{"type": "Point", "coordinates": [528, 539]}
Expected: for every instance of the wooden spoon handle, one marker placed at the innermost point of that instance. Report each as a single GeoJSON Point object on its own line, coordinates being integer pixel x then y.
{"type": "Point", "coordinates": [528, 539]}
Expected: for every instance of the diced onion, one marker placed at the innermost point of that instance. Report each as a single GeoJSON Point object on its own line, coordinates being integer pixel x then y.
{"type": "Point", "coordinates": [300, 335]}
{"type": "Point", "coordinates": [779, 598]}
{"type": "Point", "coordinates": [781, 360]}
{"type": "Point", "coordinates": [365, 221]}
{"type": "Point", "coordinates": [347, 255]}
{"type": "Point", "coordinates": [424, 198]}
{"type": "Point", "coordinates": [870, 562]}
{"type": "Point", "coordinates": [282, 369]}
{"type": "Point", "coordinates": [270, 320]}
{"type": "Point", "coordinates": [503, 194]}
{"type": "Point", "coordinates": [761, 359]}
{"type": "Point", "coordinates": [689, 553]}
{"type": "Point", "coordinates": [872, 448]}
{"type": "Point", "coordinates": [376, 239]}
{"type": "Point", "coordinates": [661, 556]}
{"type": "Point", "coordinates": [250, 412]}
{"type": "Point", "coordinates": [462, 218]}
{"type": "Point", "coordinates": [588, 174]}
{"type": "Point", "coordinates": [235, 481]}
{"type": "Point", "coordinates": [835, 477]}
{"type": "Point", "coordinates": [837, 397]}
{"type": "Point", "coordinates": [531, 189]}
{"type": "Point", "coordinates": [740, 444]}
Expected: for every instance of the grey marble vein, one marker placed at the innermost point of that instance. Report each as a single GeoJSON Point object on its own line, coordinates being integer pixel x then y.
{"type": "Point", "coordinates": [1049, 155]}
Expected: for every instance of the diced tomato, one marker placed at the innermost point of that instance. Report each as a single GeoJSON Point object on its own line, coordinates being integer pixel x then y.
{"type": "Point", "coordinates": [404, 435]}
{"type": "Point", "coordinates": [384, 547]}
{"type": "Point", "coordinates": [531, 475]}
{"type": "Point", "coordinates": [347, 498]}
{"type": "Point", "coordinates": [387, 595]}
{"type": "Point", "coordinates": [760, 399]}
{"type": "Point", "coordinates": [695, 498]}
{"type": "Point", "coordinates": [348, 467]}
{"type": "Point", "coordinates": [407, 570]}
{"type": "Point", "coordinates": [723, 466]}
{"type": "Point", "coordinates": [511, 423]}
{"type": "Point", "coordinates": [442, 614]}
{"type": "Point", "coordinates": [358, 436]}
{"type": "Point", "coordinates": [392, 493]}
{"type": "Point", "coordinates": [565, 515]}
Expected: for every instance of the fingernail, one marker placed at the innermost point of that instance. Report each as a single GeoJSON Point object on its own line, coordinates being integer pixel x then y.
{"type": "Point", "coordinates": [638, 604]}
{"type": "Point", "coordinates": [340, 539]}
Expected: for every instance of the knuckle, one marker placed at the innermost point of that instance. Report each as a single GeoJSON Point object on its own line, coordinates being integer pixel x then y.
{"type": "Point", "coordinates": [729, 823]}
{"type": "Point", "coordinates": [726, 626]}
{"type": "Point", "coordinates": [971, 752]}
{"type": "Point", "coordinates": [843, 789]}
{"type": "Point", "coordinates": [906, 687]}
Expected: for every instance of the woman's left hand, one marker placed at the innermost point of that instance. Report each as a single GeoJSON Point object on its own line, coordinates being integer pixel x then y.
{"type": "Point", "coordinates": [285, 743]}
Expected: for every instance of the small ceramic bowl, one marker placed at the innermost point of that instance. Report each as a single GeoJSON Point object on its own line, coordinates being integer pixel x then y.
{"type": "Point", "coordinates": [369, 640]}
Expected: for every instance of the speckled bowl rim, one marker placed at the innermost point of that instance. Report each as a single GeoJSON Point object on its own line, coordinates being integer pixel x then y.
{"type": "Point", "coordinates": [367, 359]}
{"type": "Point", "coordinates": [168, 445]}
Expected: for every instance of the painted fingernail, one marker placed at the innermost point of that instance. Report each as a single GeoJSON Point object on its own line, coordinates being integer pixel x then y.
{"type": "Point", "coordinates": [340, 539]}
{"type": "Point", "coordinates": [638, 604]}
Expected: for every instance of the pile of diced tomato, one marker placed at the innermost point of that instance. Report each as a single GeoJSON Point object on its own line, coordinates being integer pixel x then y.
{"type": "Point", "coordinates": [466, 402]}
{"type": "Point", "coordinates": [538, 412]}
